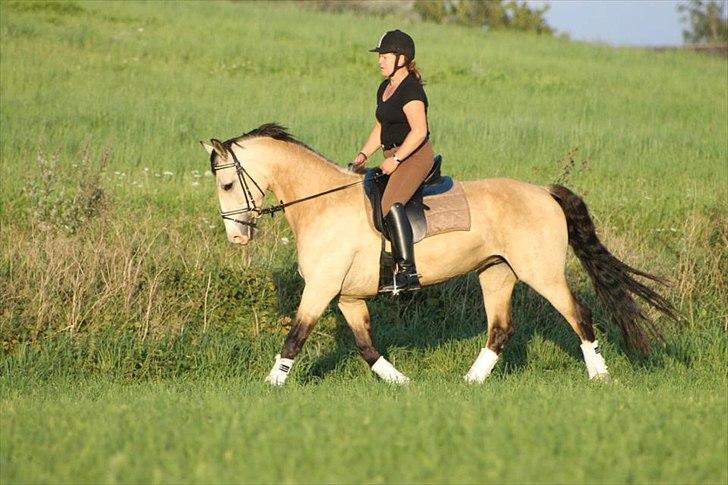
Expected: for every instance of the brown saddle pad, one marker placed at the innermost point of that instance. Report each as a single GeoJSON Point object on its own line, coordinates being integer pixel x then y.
{"type": "Point", "coordinates": [447, 212]}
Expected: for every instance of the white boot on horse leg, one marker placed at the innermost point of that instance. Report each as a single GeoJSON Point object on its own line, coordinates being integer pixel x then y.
{"type": "Point", "coordinates": [280, 371]}
{"type": "Point", "coordinates": [482, 367]}
{"type": "Point", "coordinates": [596, 368]}
{"type": "Point", "coordinates": [387, 372]}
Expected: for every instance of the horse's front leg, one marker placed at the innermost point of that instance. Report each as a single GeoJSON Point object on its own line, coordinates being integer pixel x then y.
{"type": "Point", "coordinates": [357, 316]}
{"type": "Point", "coordinates": [314, 301]}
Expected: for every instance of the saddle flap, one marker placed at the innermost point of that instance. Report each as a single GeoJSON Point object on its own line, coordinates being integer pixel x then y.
{"type": "Point", "coordinates": [375, 183]}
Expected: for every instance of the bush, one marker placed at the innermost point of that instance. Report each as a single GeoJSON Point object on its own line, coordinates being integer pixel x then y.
{"type": "Point", "coordinates": [65, 199]}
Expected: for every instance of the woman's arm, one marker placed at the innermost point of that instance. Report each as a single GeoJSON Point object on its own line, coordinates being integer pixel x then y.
{"type": "Point", "coordinates": [372, 144]}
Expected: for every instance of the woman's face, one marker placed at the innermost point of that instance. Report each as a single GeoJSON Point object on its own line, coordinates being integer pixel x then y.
{"type": "Point", "coordinates": [386, 63]}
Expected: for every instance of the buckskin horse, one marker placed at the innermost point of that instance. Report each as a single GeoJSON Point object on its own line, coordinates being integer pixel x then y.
{"type": "Point", "coordinates": [518, 232]}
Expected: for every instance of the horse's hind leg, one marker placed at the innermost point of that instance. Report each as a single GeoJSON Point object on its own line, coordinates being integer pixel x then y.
{"type": "Point", "coordinates": [357, 316]}
{"type": "Point", "coordinates": [497, 284]}
{"type": "Point", "coordinates": [557, 292]}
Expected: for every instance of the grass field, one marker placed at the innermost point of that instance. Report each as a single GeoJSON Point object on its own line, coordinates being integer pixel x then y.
{"type": "Point", "coordinates": [135, 337]}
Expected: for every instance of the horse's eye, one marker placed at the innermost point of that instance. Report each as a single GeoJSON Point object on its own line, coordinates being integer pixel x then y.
{"type": "Point", "coordinates": [228, 186]}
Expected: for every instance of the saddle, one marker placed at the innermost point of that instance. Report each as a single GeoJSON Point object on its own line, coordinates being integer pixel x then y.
{"type": "Point", "coordinates": [438, 206]}
{"type": "Point", "coordinates": [435, 183]}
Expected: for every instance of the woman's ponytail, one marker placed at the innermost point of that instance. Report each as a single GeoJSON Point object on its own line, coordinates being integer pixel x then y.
{"type": "Point", "coordinates": [412, 68]}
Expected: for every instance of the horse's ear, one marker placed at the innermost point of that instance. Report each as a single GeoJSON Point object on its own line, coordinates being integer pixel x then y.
{"type": "Point", "coordinates": [207, 147]}
{"type": "Point", "coordinates": [217, 146]}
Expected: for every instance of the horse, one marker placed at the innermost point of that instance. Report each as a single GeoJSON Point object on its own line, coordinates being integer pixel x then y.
{"type": "Point", "coordinates": [519, 232]}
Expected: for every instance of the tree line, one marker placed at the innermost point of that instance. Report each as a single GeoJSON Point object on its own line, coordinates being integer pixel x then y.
{"type": "Point", "coordinates": [706, 21]}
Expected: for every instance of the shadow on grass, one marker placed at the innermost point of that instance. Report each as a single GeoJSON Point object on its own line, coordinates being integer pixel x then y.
{"type": "Point", "coordinates": [453, 311]}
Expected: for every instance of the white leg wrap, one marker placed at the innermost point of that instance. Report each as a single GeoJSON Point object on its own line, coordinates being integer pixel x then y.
{"type": "Point", "coordinates": [387, 372]}
{"type": "Point", "coordinates": [482, 366]}
{"type": "Point", "coordinates": [279, 373]}
{"type": "Point", "coordinates": [595, 365]}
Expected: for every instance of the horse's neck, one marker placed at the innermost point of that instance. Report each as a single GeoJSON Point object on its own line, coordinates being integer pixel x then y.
{"type": "Point", "coordinates": [296, 173]}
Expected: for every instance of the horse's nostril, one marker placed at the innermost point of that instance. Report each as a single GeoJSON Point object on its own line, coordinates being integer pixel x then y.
{"type": "Point", "coordinates": [239, 239]}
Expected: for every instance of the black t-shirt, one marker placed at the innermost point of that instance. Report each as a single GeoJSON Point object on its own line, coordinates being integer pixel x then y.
{"type": "Point", "coordinates": [390, 114]}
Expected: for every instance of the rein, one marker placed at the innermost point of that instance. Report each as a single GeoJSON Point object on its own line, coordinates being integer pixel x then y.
{"type": "Point", "coordinates": [261, 211]}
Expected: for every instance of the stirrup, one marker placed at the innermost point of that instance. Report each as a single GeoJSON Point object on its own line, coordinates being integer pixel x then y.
{"type": "Point", "coordinates": [402, 281]}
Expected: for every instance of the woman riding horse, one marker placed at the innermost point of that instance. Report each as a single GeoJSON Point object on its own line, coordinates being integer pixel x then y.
{"type": "Point", "coordinates": [401, 130]}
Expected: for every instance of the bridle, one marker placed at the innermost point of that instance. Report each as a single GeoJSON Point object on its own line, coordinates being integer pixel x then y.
{"type": "Point", "coordinates": [242, 173]}
{"type": "Point", "coordinates": [251, 206]}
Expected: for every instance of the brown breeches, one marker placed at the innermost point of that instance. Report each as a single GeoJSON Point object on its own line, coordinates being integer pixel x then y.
{"type": "Point", "coordinates": [408, 177]}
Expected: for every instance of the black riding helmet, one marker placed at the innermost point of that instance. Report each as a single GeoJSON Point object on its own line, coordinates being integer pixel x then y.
{"type": "Point", "coordinates": [399, 43]}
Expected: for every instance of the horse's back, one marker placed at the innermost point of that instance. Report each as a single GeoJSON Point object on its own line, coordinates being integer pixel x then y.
{"type": "Point", "coordinates": [511, 195]}
{"type": "Point", "coordinates": [516, 212]}
{"type": "Point", "coordinates": [504, 188]}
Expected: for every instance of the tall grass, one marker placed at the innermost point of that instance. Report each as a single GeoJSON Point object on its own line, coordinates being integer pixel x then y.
{"type": "Point", "coordinates": [109, 220]}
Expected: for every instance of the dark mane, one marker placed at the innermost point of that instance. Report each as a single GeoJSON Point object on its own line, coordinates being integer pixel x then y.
{"type": "Point", "coordinates": [270, 130]}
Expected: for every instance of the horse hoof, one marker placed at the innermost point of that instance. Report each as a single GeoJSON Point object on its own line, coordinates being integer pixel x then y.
{"type": "Point", "coordinates": [272, 381]}
{"type": "Point", "coordinates": [400, 381]}
{"type": "Point", "coordinates": [388, 373]}
{"type": "Point", "coordinates": [601, 378]}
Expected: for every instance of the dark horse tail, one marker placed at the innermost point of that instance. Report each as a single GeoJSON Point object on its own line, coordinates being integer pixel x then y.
{"type": "Point", "coordinates": [613, 280]}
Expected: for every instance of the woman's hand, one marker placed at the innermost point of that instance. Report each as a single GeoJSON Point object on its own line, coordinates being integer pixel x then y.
{"type": "Point", "coordinates": [389, 165]}
{"type": "Point", "coordinates": [359, 160]}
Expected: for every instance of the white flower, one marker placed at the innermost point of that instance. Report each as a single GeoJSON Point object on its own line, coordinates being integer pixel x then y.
{"type": "Point", "coordinates": [284, 240]}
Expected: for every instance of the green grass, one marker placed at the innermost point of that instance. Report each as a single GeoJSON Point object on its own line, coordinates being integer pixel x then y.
{"type": "Point", "coordinates": [135, 338]}
{"type": "Point", "coordinates": [534, 428]}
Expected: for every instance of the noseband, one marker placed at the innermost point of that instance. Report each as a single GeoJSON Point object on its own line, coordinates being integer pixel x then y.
{"type": "Point", "coordinates": [250, 205]}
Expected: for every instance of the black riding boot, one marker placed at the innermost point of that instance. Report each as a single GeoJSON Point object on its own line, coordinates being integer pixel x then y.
{"type": "Point", "coordinates": [400, 234]}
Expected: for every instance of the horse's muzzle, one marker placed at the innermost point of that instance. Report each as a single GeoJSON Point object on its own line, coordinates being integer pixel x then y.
{"type": "Point", "coordinates": [240, 239]}
{"type": "Point", "coordinates": [238, 233]}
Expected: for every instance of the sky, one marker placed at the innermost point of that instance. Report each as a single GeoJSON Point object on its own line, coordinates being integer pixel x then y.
{"type": "Point", "coordinates": [617, 22]}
